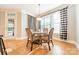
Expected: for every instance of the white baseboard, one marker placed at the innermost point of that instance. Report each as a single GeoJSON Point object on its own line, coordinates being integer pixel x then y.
{"type": "Point", "coordinates": [16, 38]}
{"type": "Point", "coordinates": [21, 38]}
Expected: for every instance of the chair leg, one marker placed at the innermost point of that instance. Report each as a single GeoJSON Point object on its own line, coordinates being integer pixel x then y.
{"type": "Point", "coordinates": [4, 47]}
{"type": "Point", "coordinates": [41, 42]}
{"type": "Point", "coordinates": [27, 43]}
{"type": "Point", "coordinates": [1, 49]}
{"type": "Point", "coordinates": [31, 46]}
{"type": "Point", "coordinates": [52, 42]}
{"type": "Point", "coordinates": [49, 45]}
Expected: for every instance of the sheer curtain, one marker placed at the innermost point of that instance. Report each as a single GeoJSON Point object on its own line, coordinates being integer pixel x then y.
{"type": "Point", "coordinates": [52, 21]}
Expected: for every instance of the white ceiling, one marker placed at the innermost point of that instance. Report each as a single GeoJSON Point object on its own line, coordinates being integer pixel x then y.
{"type": "Point", "coordinates": [31, 8]}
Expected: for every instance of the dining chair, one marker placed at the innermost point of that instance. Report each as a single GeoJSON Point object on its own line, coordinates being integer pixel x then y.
{"type": "Point", "coordinates": [31, 37]}
{"type": "Point", "coordinates": [2, 47]}
{"type": "Point", "coordinates": [48, 38]}
{"type": "Point", "coordinates": [45, 30]}
{"type": "Point", "coordinates": [51, 35]}
{"type": "Point", "coordinates": [29, 34]}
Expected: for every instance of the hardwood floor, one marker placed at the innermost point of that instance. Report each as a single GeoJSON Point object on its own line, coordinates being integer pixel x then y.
{"type": "Point", "coordinates": [18, 47]}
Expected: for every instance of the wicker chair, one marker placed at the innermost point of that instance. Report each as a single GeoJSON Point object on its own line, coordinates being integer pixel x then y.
{"type": "Point", "coordinates": [45, 30]}
{"type": "Point", "coordinates": [2, 46]}
{"type": "Point", "coordinates": [31, 37]}
{"type": "Point", "coordinates": [48, 38]}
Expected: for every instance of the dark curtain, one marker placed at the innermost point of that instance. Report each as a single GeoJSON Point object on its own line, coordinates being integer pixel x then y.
{"type": "Point", "coordinates": [32, 22]}
{"type": "Point", "coordinates": [63, 28]}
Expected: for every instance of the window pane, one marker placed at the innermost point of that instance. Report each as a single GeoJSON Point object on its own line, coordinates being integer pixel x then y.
{"type": "Point", "coordinates": [10, 27]}
{"type": "Point", "coordinates": [51, 21]}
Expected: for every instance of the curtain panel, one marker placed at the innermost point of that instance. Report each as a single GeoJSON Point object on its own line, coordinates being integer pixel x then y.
{"type": "Point", "coordinates": [32, 22]}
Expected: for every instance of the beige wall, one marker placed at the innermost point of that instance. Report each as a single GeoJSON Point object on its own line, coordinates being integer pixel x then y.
{"type": "Point", "coordinates": [77, 24]}
{"type": "Point", "coordinates": [24, 25]}
{"type": "Point", "coordinates": [2, 23]}
{"type": "Point", "coordinates": [18, 32]}
{"type": "Point", "coordinates": [71, 23]}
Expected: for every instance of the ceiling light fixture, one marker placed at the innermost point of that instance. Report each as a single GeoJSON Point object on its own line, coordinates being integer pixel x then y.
{"type": "Point", "coordinates": [39, 18]}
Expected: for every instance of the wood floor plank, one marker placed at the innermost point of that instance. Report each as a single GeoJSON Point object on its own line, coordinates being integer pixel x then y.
{"type": "Point", "coordinates": [18, 47]}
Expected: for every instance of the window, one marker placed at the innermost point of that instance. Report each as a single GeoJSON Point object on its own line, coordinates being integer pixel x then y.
{"type": "Point", "coordinates": [11, 24]}
{"type": "Point", "coordinates": [51, 21]}
{"type": "Point", "coordinates": [10, 27]}
{"type": "Point", "coordinates": [56, 17]}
